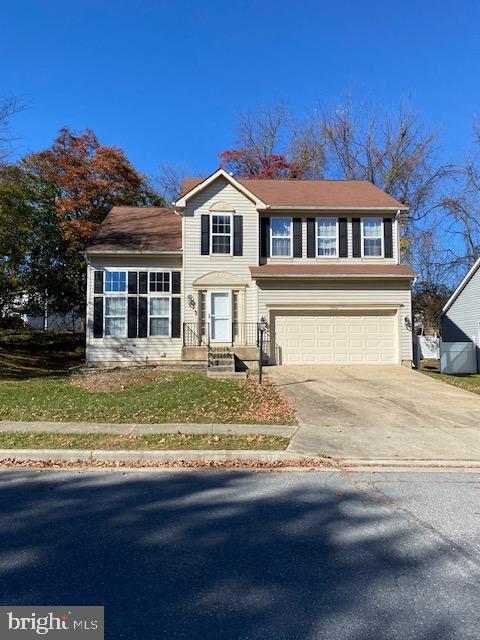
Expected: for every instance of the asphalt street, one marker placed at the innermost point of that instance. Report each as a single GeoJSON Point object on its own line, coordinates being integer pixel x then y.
{"type": "Point", "coordinates": [248, 555]}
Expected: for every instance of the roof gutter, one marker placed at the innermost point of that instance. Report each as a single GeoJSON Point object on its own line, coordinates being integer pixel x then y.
{"type": "Point", "coordinates": [329, 208]}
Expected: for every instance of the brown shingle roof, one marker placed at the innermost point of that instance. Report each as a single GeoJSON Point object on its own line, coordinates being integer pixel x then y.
{"type": "Point", "coordinates": [312, 193]}
{"type": "Point", "coordinates": [332, 270]}
{"type": "Point", "coordinates": [139, 229]}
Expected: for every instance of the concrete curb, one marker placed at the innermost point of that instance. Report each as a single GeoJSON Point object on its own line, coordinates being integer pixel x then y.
{"type": "Point", "coordinates": [408, 463]}
{"type": "Point", "coordinates": [210, 428]}
{"type": "Point", "coordinates": [46, 455]}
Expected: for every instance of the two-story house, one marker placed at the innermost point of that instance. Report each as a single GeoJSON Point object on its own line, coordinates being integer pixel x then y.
{"type": "Point", "coordinates": [317, 261]}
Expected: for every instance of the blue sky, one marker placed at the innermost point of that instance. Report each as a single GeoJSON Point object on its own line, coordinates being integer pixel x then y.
{"type": "Point", "coordinates": [164, 80]}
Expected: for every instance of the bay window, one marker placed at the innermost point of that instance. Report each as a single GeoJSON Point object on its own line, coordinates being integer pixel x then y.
{"type": "Point", "coordinates": [281, 237]}
{"type": "Point", "coordinates": [372, 237]}
{"type": "Point", "coordinates": [221, 234]}
{"type": "Point", "coordinates": [327, 238]}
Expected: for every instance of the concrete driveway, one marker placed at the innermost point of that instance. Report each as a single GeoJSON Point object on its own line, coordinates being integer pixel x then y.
{"type": "Point", "coordinates": [380, 413]}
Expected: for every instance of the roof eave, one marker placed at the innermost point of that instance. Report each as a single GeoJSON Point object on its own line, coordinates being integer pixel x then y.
{"type": "Point", "coordinates": [132, 252]}
{"type": "Point", "coordinates": [460, 288]}
{"type": "Point", "coordinates": [277, 207]}
{"type": "Point", "coordinates": [334, 276]}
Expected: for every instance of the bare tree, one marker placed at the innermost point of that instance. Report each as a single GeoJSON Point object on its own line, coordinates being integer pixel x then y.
{"type": "Point", "coordinates": [393, 152]}
{"type": "Point", "coordinates": [9, 106]}
{"type": "Point", "coordinates": [271, 131]}
{"type": "Point", "coordinates": [169, 182]}
{"type": "Point", "coordinates": [462, 207]}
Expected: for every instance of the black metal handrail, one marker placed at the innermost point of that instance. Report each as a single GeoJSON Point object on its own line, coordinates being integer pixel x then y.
{"type": "Point", "coordinates": [248, 334]}
{"type": "Point", "coordinates": [193, 334]}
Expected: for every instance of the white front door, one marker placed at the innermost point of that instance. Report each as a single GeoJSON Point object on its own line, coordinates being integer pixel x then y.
{"type": "Point", "coordinates": [220, 316]}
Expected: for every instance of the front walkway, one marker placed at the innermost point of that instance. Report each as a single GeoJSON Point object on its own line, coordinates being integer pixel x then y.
{"type": "Point", "coordinates": [390, 413]}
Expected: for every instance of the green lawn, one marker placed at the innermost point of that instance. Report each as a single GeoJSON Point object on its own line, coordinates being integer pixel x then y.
{"type": "Point", "coordinates": [34, 386]}
{"type": "Point", "coordinates": [467, 382]}
{"type": "Point", "coordinates": [42, 440]}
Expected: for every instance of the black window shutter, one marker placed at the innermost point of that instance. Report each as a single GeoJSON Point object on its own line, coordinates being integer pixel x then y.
{"type": "Point", "coordinates": [205, 235]}
{"type": "Point", "coordinates": [98, 282]}
{"type": "Point", "coordinates": [388, 237]}
{"type": "Point", "coordinates": [264, 237]}
{"type": "Point", "coordinates": [98, 317]}
{"type": "Point", "coordinates": [132, 317]}
{"type": "Point", "coordinates": [132, 283]}
{"type": "Point", "coordinates": [142, 282]}
{"type": "Point", "coordinates": [142, 317]}
{"type": "Point", "coordinates": [175, 281]}
{"type": "Point", "coordinates": [311, 252]}
{"type": "Point", "coordinates": [175, 317]}
{"type": "Point", "coordinates": [356, 238]}
{"type": "Point", "coordinates": [297, 237]}
{"type": "Point", "coordinates": [342, 238]}
{"type": "Point", "coordinates": [237, 235]}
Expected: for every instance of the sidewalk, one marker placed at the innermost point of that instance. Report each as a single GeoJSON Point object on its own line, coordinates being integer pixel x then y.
{"type": "Point", "coordinates": [145, 429]}
{"type": "Point", "coordinates": [410, 446]}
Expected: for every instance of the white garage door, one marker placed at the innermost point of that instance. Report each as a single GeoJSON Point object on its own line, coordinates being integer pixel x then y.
{"type": "Point", "coordinates": [336, 338]}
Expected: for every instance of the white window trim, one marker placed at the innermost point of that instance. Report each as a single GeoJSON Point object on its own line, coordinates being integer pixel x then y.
{"type": "Point", "coordinates": [216, 214]}
{"type": "Point", "coordinates": [165, 296]}
{"type": "Point", "coordinates": [125, 313]}
{"type": "Point", "coordinates": [290, 236]}
{"type": "Point", "coordinates": [382, 255]}
{"type": "Point", "coordinates": [337, 238]}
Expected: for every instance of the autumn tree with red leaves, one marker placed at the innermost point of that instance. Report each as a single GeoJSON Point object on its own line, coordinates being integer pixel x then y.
{"type": "Point", "coordinates": [252, 163]}
{"type": "Point", "coordinates": [89, 179]}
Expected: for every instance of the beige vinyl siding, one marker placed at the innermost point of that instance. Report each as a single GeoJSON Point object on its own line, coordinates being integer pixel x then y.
{"type": "Point", "coordinates": [350, 259]}
{"type": "Point", "coordinates": [123, 351]}
{"type": "Point", "coordinates": [293, 295]}
{"type": "Point", "coordinates": [197, 265]}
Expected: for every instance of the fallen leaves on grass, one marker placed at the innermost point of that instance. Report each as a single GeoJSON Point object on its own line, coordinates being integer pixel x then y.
{"type": "Point", "coordinates": [305, 463]}
{"type": "Point", "coordinates": [113, 380]}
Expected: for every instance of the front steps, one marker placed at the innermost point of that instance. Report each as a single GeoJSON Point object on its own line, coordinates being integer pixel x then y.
{"type": "Point", "coordinates": [221, 361]}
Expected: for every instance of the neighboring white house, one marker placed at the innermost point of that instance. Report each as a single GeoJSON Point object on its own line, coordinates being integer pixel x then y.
{"type": "Point", "coordinates": [460, 326]}
{"type": "Point", "coordinates": [318, 261]}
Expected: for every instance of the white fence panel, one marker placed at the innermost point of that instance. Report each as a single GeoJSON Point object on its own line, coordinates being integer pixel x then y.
{"type": "Point", "coordinates": [458, 357]}
{"type": "Point", "coordinates": [429, 347]}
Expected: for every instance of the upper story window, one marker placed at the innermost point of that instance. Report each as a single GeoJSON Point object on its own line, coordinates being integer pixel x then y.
{"type": "Point", "coordinates": [221, 233]}
{"type": "Point", "coordinates": [115, 281]}
{"type": "Point", "coordinates": [372, 237]}
{"type": "Point", "coordinates": [327, 238]}
{"type": "Point", "coordinates": [281, 236]}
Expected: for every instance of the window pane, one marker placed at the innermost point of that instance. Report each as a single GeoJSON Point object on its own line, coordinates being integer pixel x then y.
{"type": "Point", "coordinates": [159, 326]}
{"type": "Point", "coordinates": [372, 228]}
{"type": "Point", "coordinates": [327, 246]}
{"type": "Point", "coordinates": [280, 226]}
{"type": "Point", "coordinates": [372, 247]}
{"type": "Point", "coordinates": [115, 306]}
{"type": "Point", "coordinates": [115, 327]}
{"type": "Point", "coordinates": [159, 307]}
{"type": "Point", "coordinates": [115, 281]}
{"type": "Point", "coordinates": [159, 281]}
{"type": "Point", "coordinates": [220, 224]}
{"type": "Point", "coordinates": [280, 246]}
{"type": "Point", "coordinates": [220, 244]}
{"type": "Point", "coordinates": [327, 227]}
